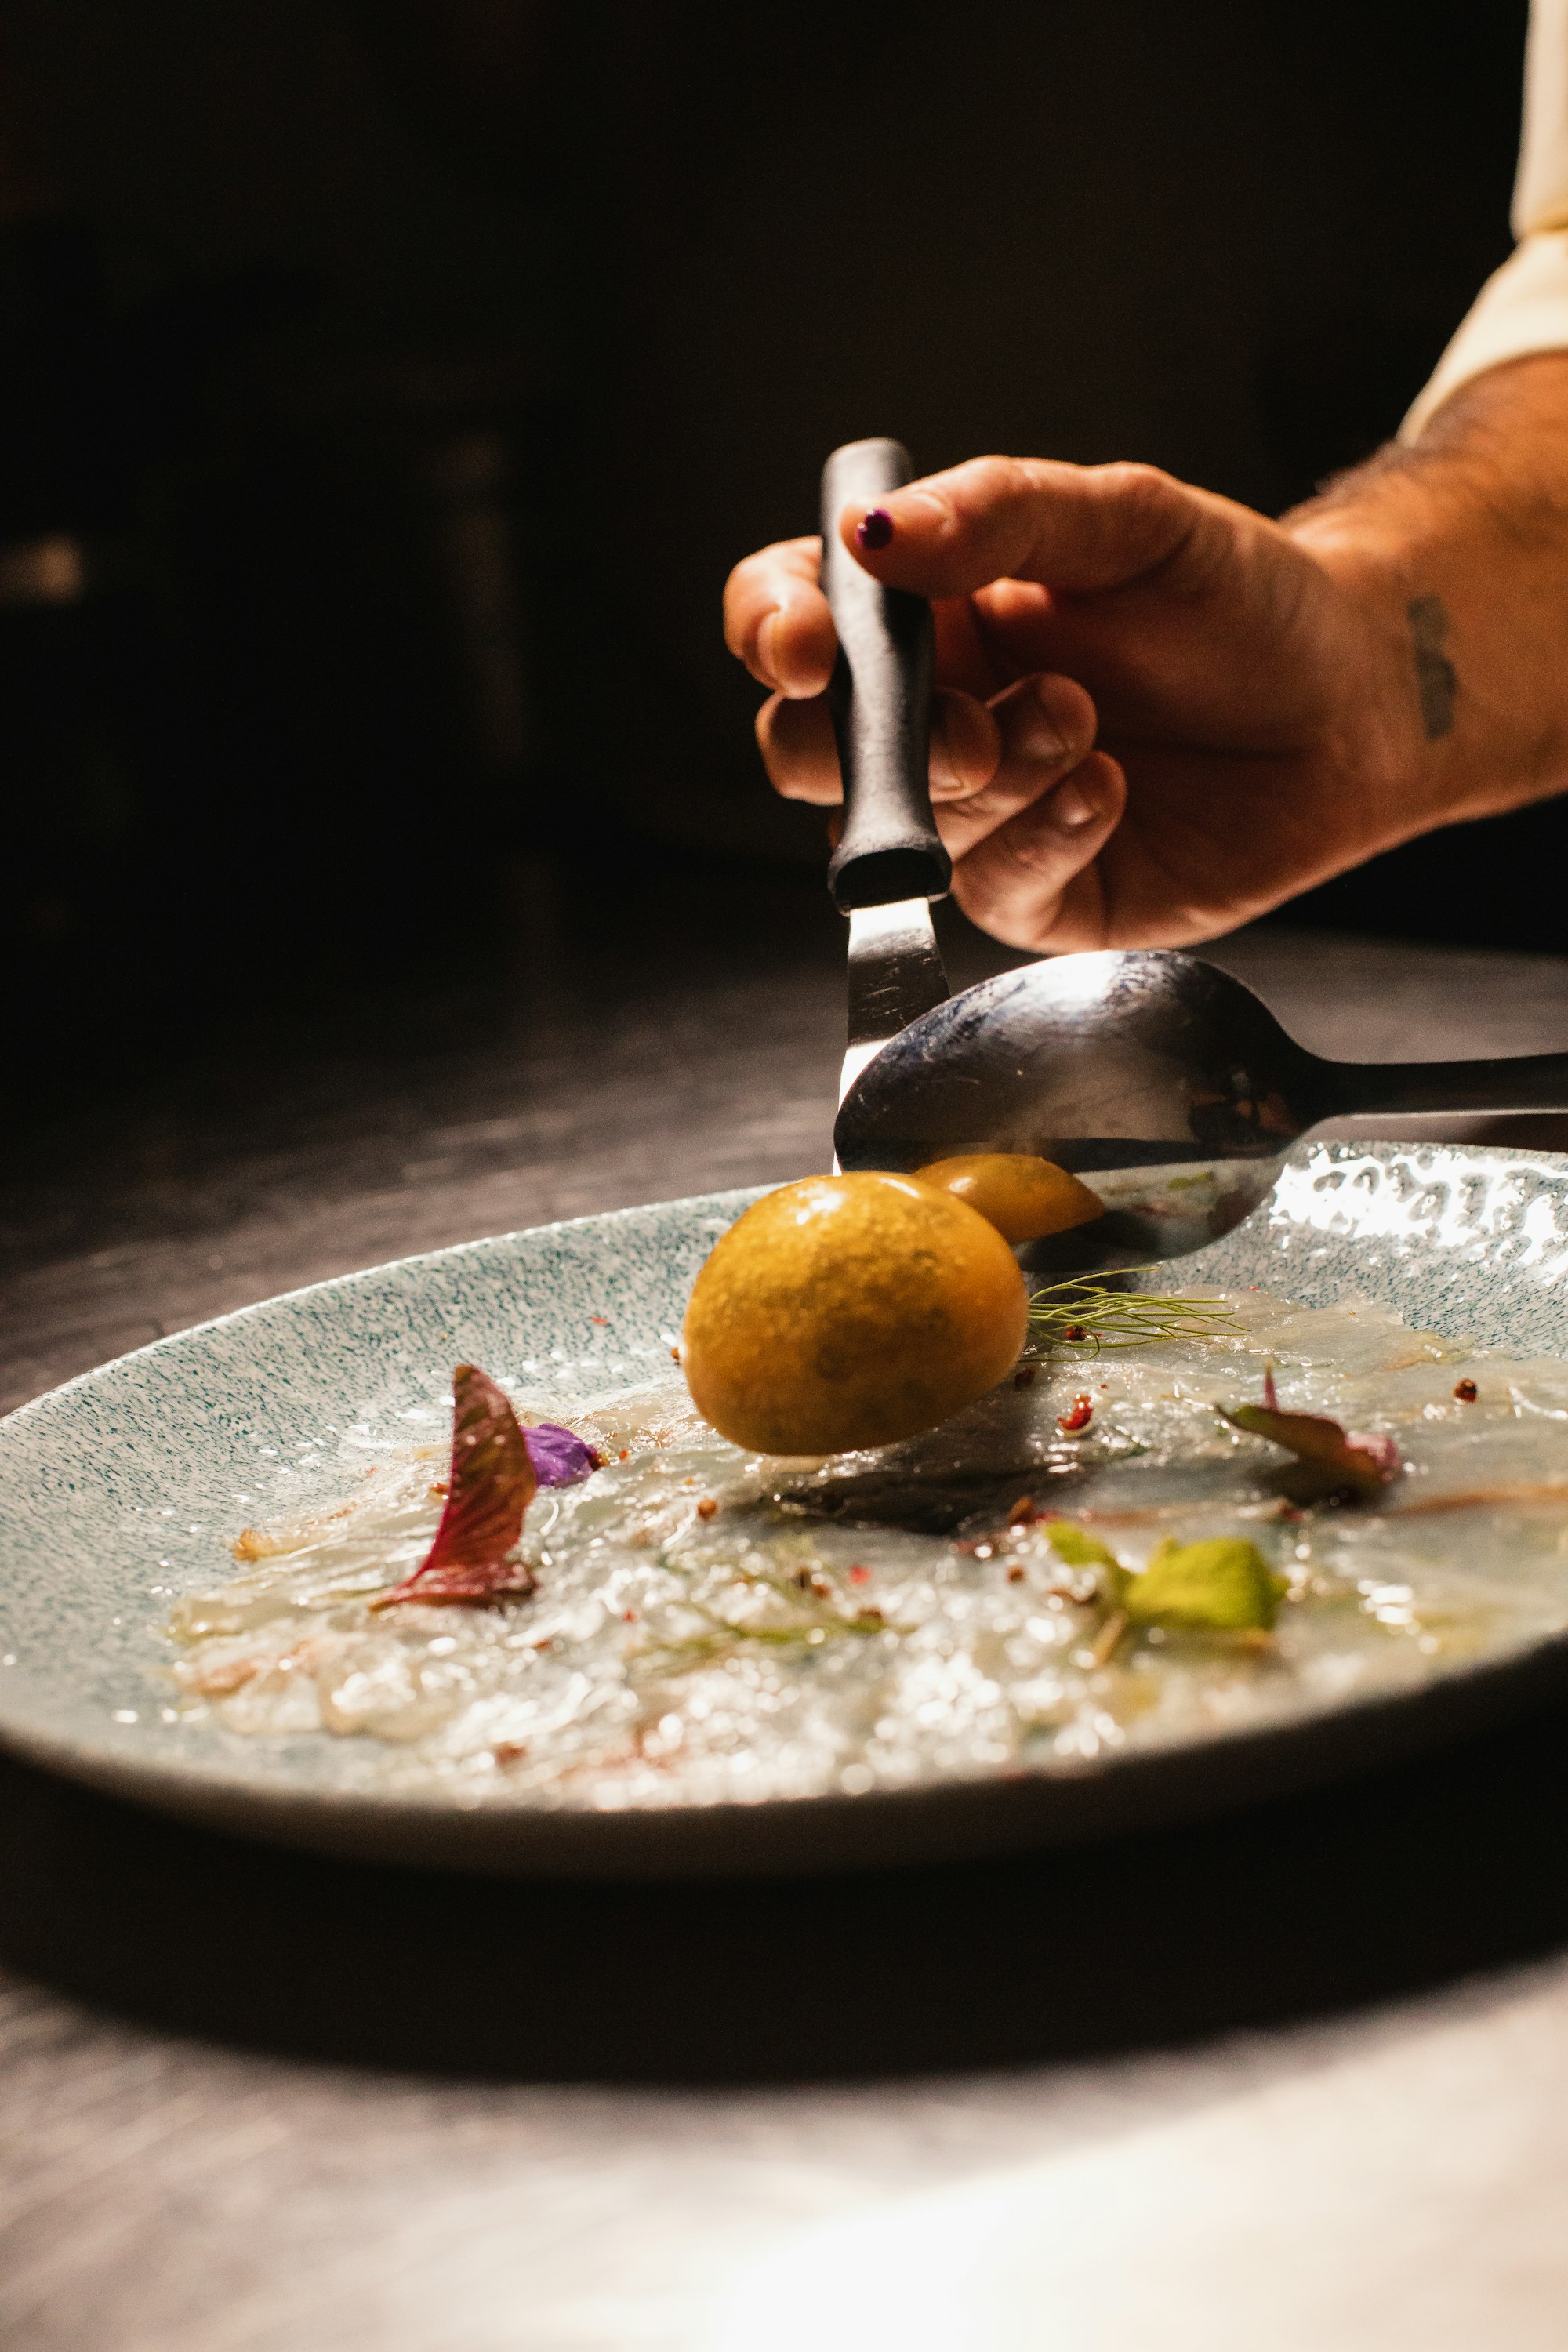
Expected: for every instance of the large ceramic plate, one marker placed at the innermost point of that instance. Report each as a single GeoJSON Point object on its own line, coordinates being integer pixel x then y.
{"type": "Point", "coordinates": [122, 1488]}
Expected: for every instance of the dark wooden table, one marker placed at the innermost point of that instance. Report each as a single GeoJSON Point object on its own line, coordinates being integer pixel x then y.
{"type": "Point", "coordinates": [1296, 2079]}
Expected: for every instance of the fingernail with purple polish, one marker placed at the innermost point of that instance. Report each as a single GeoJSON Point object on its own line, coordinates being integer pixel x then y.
{"type": "Point", "coordinates": [875, 529]}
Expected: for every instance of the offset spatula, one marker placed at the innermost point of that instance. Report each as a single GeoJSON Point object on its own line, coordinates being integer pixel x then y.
{"type": "Point", "coordinates": [889, 864]}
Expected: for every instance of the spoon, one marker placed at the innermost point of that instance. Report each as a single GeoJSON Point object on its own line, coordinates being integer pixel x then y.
{"type": "Point", "coordinates": [1167, 1087]}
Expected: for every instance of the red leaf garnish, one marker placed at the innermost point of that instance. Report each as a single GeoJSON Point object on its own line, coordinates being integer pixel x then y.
{"type": "Point", "coordinates": [492, 1482]}
{"type": "Point", "coordinates": [1327, 1461]}
{"type": "Point", "coordinates": [1380, 1447]}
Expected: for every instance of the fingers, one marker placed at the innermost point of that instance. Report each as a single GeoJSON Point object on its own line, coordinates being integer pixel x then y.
{"type": "Point", "coordinates": [777, 621]}
{"type": "Point", "coordinates": [1023, 803]}
{"type": "Point", "coordinates": [776, 618]}
{"type": "Point", "coordinates": [1032, 881]}
{"type": "Point", "coordinates": [1075, 528]}
{"type": "Point", "coordinates": [802, 759]}
{"type": "Point", "coordinates": [987, 763]}
{"type": "Point", "coordinates": [795, 739]}
{"type": "Point", "coordinates": [1046, 726]}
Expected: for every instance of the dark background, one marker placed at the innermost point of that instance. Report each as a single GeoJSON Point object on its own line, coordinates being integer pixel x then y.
{"type": "Point", "coordinates": [384, 861]}
{"type": "Point", "coordinates": [405, 378]}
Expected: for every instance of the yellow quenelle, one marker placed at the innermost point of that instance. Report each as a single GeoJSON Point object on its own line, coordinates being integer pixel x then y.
{"type": "Point", "coordinates": [1023, 1197]}
{"type": "Point", "coordinates": [852, 1311]}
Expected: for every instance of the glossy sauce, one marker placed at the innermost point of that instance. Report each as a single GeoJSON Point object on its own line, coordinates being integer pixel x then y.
{"type": "Point", "coordinates": [711, 1624]}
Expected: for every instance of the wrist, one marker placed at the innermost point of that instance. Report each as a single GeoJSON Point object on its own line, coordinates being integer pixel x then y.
{"type": "Point", "coordinates": [1399, 686]}
{"type": "Point", "coordinates": [1452, 557]}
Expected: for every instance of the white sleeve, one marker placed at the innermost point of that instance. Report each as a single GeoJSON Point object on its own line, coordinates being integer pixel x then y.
{"type": "Point", "coordinates": [1523, 306]}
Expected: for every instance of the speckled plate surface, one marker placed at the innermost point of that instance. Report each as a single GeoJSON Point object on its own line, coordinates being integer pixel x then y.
{"type": "Point", "coordinates": [123, 1488]}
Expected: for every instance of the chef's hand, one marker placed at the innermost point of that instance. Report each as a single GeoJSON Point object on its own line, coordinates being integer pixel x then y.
{"type": "Point", "coordinates": [1160, 713]}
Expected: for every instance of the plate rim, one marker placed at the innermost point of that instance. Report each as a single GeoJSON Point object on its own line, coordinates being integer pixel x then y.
{"type": "Point", "coordinates": [1028, 1805]}
{"type": "Point", "coordinates": [745, 1193]}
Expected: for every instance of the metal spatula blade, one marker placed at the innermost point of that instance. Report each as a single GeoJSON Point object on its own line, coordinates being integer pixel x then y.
{"type": "Point", "coordinates": [895, 974]}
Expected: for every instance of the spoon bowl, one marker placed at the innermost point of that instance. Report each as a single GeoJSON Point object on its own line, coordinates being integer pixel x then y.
{"type": "Point", "coordinates": [1162, 1082]}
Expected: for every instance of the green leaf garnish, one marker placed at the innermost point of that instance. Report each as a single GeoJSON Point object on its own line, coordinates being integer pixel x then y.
{"type": "Point", "coordinates": [1077, 1546]}
{"type": "Point", "coordinates": [1220, 1584]}
{"type": "Point", "coordinates": [1094, 1316]}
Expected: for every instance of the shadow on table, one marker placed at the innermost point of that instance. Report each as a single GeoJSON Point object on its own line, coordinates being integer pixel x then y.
{"type": "Point", "coordinates": [1376, 1888]}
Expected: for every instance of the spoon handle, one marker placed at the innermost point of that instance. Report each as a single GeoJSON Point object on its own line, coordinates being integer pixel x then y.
{"type": "Point", "coordinates": [880, 700]}
{"type": "Point", "coordinates": [1511, 1082]}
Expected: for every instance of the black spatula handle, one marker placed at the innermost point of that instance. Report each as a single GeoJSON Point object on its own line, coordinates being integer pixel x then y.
{"type": "Point", "coordinates": [880, 697]}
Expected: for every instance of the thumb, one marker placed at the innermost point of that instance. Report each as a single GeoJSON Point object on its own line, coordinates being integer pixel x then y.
{"type": "Point", "coordinates": [1077, 529]}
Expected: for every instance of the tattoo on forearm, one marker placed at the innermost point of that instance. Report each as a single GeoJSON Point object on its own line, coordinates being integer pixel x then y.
{"type": "Point", "coordinates": [1436, 679]}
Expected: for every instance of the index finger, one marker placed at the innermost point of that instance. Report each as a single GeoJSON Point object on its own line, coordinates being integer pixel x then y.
{"type": "Point", "coordinates": [1078, 529]}
{"type": "Point", "coordinates": [776, 618]}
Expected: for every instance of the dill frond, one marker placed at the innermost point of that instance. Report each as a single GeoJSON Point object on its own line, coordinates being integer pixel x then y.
{"type": "Point", "coordinates": [722, 1637]}
{"type": "Point", "coordinates": [1089, 1317]}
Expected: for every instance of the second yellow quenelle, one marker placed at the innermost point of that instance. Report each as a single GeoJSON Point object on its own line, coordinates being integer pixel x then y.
{"type": "Point", "coordinates": [1024, 1197]}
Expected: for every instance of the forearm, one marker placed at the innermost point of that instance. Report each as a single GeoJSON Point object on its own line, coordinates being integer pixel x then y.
{"type": "Point", "coordinates": [1456, 548]}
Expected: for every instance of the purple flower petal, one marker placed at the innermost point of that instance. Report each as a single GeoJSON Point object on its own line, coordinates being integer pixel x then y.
{"type": "Point", "coordinates": [560, 1458]}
